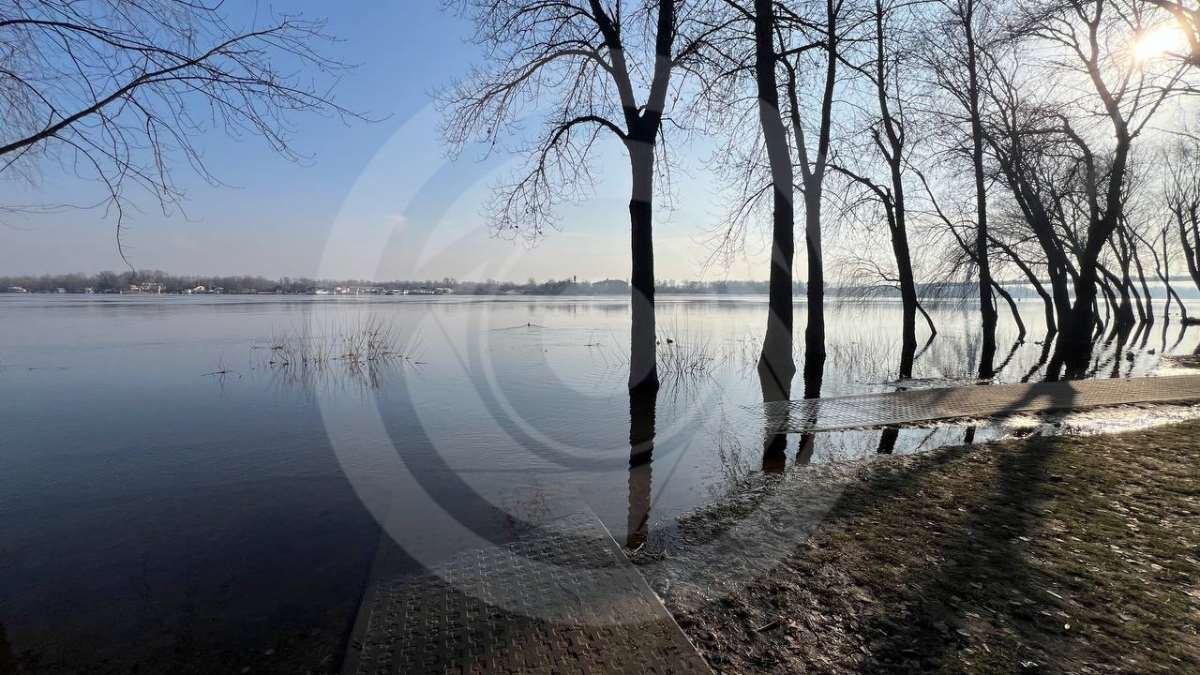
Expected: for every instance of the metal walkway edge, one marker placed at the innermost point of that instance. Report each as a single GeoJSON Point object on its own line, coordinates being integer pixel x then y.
{"type": "Point", "coordinates": [979, 401]}
{"type": "Point", "coordinates": [562, 600]}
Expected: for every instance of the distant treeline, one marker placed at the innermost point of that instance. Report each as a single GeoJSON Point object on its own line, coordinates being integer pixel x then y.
{"type": "Point", "coordinates": [124, 282]}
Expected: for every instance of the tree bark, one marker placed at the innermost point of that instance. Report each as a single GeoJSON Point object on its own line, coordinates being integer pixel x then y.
{"type": "Point", "coordinates": [814, 332]}
{"type": "Point", "coordinates": [776, 364]}
{"type": "Point", "coordinates": [908, 292]}
{"type": "Point", "coordinates": [643, 367]}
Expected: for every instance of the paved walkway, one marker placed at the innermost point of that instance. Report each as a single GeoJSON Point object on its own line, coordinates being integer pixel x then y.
{"type": "Point", "coordinates": [562, 600]}
{"type": "Point", "coordinates": [982, 401]}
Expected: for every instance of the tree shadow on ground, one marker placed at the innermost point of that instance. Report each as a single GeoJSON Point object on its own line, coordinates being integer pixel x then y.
{"type": "Point", "coordinates": [981, 554]}
{"type": "Point", "coordinates": [1042, 555]}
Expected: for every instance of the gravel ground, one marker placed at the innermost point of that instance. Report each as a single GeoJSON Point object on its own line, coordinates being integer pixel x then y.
{"type": "Point", "coordinates": [1048, 554]}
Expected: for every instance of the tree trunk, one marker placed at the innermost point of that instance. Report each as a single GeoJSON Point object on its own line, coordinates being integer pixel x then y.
{"type": "Point", "coordinates": [1012, 307]}
{"type": "Point", "coordinates": [1120, 285]}
{"type": "Point", "coordinates": [1060, 292]}
{"type": "Point", "coordinates": [1141, 272]}
{"type": "Point", "coordinates": [643, 367]}
{"type": "Point", "coordinates": [814, 332]}
{"type": "Point", "coordinates": [908, 295]}
{"type": "Point", "coordinates": [1075, 346]}
{"type": "Point", "coordinates": [891, 145]}
{"type": "Point", "coordinates": [776, 364]}
{"type": "Point", "coordinates": [987, 305]}
{"type": "Point", "coordinates": [1164, 273]}
{"type": "Point", "coordinates": [1047, 302]}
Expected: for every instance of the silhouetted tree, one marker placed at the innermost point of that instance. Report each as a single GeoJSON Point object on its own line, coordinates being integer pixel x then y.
{"type": "Point", "coordinates": [887, 129]}
{"type": "Point", "coordinates": [955, 58]}
{"type": "Point", "coordinates": [575, 64]}
{"type": "Point", "coordinates": [1120, 92]}
{"type": "Point", "coordinates": [767, 39]}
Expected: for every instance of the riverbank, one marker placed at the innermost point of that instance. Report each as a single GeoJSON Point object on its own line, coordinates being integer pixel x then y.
{"type": "Point", "coordinates": [1047, 554]}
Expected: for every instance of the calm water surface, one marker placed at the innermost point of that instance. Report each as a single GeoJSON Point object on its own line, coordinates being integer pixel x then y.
{"type": "Point", "coordinates": [172, 500]}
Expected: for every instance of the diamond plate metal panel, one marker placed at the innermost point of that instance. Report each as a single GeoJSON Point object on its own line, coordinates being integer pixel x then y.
{"type": "Point", "coordinates": [562, 600]}
{"type": "Point", "coordinates": [983, 401]}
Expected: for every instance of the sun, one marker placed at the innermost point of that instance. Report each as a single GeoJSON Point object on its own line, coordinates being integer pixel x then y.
{"type": "Point", "coordinates": [1158, 42]}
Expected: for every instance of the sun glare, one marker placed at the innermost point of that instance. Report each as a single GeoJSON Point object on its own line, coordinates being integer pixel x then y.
{"type": "Point", "coordinates": [1160, 41]}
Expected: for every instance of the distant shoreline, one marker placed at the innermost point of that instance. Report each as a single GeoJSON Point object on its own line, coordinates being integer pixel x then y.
{"type": "Point", "coordinates": [158, 282]}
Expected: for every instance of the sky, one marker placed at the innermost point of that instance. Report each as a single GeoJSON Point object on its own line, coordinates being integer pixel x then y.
{"type": "Point", "coordinates": [373, 200]}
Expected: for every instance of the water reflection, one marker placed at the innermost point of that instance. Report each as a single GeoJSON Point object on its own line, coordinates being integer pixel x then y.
{"type": "Point", "coordinates": [8, 661]}
{"type": "Point", "coordinates": [887, 440]}
{"type": "Point", "coordinates": [774, 389]}
{"type": "Point", "coordinates": [1043, 357]}
{"type": "Point", "coordinates": [642, 404]}
{"type": "Point", "coordinates": [969, 435]}
{"type": "Point", "coordinates": [248, 479]}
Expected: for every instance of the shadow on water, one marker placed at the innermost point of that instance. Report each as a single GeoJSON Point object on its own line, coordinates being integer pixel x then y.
{"type": "Point", "coordinates": [887, 439]}
{"type": "Point", "coordinates": [1011, 353]}
{"type": "Point", "coordinates": [1047, 345]}
{"type": "Point", "coordinates": [641, 455]}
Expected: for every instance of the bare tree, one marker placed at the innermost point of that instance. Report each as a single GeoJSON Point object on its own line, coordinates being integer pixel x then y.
{"type": "Point", "coordinates": [888, 128]}
{"type": "Point", "coordinates": [575, 64]}
{"type": "Point", "coordinates": [955, 59]}
{"type": "Point", "coordinates": [780, 39]}
{"type": "Point", "coordinates": [117, 91]}
{"type": "Point", "coordinates": [1182, 197]}
{"type": "Point", "coordinates": [1022, 151]}
{"type": "Point", "coordinates": [813, 159]}
{"type": "Point", "coordinates": [1095, 132]}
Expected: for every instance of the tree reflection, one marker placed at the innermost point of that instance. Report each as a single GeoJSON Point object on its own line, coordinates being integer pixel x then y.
{"type": "Point", "coordinates": [8, 661]}
{"type": "Point", "coordinates": [774, 389]}
{"type": "Point", "coordinates": [641, 454]}
{"type": "Point", "coordinates": [814, 372]}
{"type": "Point", "coordinates": [887, 440]}
{"type": "Point", "coordinates": [1047, 344]}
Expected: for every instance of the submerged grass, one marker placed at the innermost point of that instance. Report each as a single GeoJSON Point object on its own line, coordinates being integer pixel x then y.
{"type": "Point", "coordinates": [366, 340]}
{"type": "Point", "coordinates": [363, 349]}
{"type": "Point", "coordinates": [1052, 554]}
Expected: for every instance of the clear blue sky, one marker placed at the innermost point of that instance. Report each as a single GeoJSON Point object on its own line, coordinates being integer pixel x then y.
{"type": "Point", "coordinates": [377, 200]}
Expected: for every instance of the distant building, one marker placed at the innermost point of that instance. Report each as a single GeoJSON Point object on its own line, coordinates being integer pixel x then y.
{"type": "Point", "coordinates": [152, 288]}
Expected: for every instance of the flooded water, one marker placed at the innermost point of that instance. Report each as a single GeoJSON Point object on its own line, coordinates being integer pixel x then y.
{"type": "Point", "coordinates": [181, 491]}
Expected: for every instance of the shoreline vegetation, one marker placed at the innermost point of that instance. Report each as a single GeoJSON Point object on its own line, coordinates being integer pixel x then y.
{"type": "Point", "coordinates": [1046, 554]}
